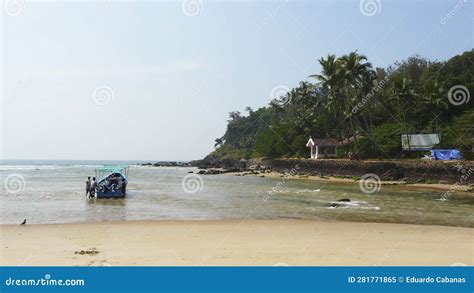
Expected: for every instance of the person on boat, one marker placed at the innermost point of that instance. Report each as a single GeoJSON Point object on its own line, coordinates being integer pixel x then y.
{"type": "Point", "coordinates": [93, 188]}
{"type": "Point", "coordinates": [108, 185]}
{"type": "Point", "coordinates": [88, 186]}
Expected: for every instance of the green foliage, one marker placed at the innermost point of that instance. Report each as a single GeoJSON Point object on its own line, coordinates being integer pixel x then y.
{"type": "Point", "coordinates": [352, 100]}
{"type": "Point", "coordinates": [230, 154]}
{"type": "Point", "coordinates": [387, 138]}
{"type": "Point", "coordinates": [364, 148]}
{"type": "Point", "coordinates": [460, 133]}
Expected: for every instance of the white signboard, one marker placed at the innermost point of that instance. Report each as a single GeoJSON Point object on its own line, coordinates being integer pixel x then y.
{"type": "Point", "coordinates": [419, 141]}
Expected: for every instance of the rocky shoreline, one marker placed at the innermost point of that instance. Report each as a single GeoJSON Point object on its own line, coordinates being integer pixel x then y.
{"type": "Point", "coordinates": [401, 171]}
{"type": "Point", "coordinates": [406, 171]}
{"type": "Point", "coordinates": [168, 164]}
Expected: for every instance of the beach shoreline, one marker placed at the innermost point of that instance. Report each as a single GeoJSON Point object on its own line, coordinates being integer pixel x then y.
{"type": "Point", "coordinates": [465, 189]}
{"type": "Point", "coordinates": [450, 176]}
{"type": "Point", "coordinates": [234, 242]}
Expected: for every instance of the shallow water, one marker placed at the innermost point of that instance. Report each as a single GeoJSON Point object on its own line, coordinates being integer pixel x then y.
{"type": "Point", "coordinates": [54, 192]}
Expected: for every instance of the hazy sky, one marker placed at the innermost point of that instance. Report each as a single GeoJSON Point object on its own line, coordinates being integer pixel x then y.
{"type": "Point", "coordinates": [156, 80]}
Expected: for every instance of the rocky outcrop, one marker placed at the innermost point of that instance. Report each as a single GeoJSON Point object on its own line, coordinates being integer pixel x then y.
{"type": "Point", "coordinates": [340, 202]}
{"type": "Point", "coordinates": [168, 164]}
{"type": "Point", "coordinates": [409, 171]}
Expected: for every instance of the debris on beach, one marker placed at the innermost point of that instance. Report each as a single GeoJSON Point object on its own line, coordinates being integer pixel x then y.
{"type": "Point", "coordinates": [91, 251]}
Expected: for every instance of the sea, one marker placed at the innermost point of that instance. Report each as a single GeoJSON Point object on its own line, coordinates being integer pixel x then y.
{"type": "Point", "coordinates": [54, 192]}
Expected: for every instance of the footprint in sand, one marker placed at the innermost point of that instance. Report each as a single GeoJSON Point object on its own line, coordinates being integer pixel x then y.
{"type": "Point", "coordinates": [101, 263]}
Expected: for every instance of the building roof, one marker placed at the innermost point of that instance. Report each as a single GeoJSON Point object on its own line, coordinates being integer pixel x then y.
{"type": "Point", "coordinates": [322, 142]}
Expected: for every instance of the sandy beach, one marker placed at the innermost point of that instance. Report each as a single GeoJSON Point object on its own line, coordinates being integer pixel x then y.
{"type": "Point", "coordinates": [235, 242]}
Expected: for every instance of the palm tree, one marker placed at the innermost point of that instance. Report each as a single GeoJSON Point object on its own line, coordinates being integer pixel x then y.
{"type": "Point", "coordinates": [368, 82]}
{"type": "Point", "coordinates": [355, 66]}
{"type": "Point", "coordinates": [403, 96]}
{"type": "Point", "coordinates": [346, 79]}
{"type": "Point", "coordinates": [332, 80]}
{"type": "Point", "coordinates": [434, 100]}
{"type": "Point", "coordinates": [357, 75]}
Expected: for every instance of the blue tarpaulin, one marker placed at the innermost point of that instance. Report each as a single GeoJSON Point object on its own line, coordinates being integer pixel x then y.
{"type": "Point", "coordinates": [445, 155]}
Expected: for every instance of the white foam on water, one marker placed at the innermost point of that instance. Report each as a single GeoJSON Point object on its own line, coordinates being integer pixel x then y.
{"type": "Point", "coordinates": [43, 167]}
{"type": "Point", "coordinates": [363, 205]}
{"type": "Point", "coordinates": [307, 190]}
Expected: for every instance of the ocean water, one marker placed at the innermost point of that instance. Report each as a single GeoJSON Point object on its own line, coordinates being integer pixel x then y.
{"type": "Point", "coordinates": [54, 192]}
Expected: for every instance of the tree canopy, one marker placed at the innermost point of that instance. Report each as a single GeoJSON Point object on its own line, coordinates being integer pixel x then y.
{"type": "Point", "coordinates": [353, 101]}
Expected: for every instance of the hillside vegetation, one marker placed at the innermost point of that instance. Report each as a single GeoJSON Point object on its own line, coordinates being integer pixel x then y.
{"type": "Point", "coordinates": [372, 107]}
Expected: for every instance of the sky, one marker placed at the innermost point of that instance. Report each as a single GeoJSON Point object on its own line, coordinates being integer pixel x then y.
{"type": "Point", "coordinates": [154, 80]}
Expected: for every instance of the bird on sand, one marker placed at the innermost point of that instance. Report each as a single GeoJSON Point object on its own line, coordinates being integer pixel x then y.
{"type": "Point", "coordinates": [23, 223]}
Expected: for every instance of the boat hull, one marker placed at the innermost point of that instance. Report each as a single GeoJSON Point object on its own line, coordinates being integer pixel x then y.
{"type": "Point", "coordinates": [110, 194]}
{"type": "Point", "coordinates": [112, 185]}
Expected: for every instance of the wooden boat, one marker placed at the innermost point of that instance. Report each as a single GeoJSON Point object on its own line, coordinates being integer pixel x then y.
{"type": "Point", "coordinates": [111, 181]}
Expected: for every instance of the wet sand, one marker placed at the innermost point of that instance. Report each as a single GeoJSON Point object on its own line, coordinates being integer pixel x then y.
{"type": "Point", "coordinates": [235, 242]}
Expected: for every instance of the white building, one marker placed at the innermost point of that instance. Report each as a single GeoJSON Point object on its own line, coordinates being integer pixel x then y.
{"type": "Point", "coordinates": [323, 148]}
